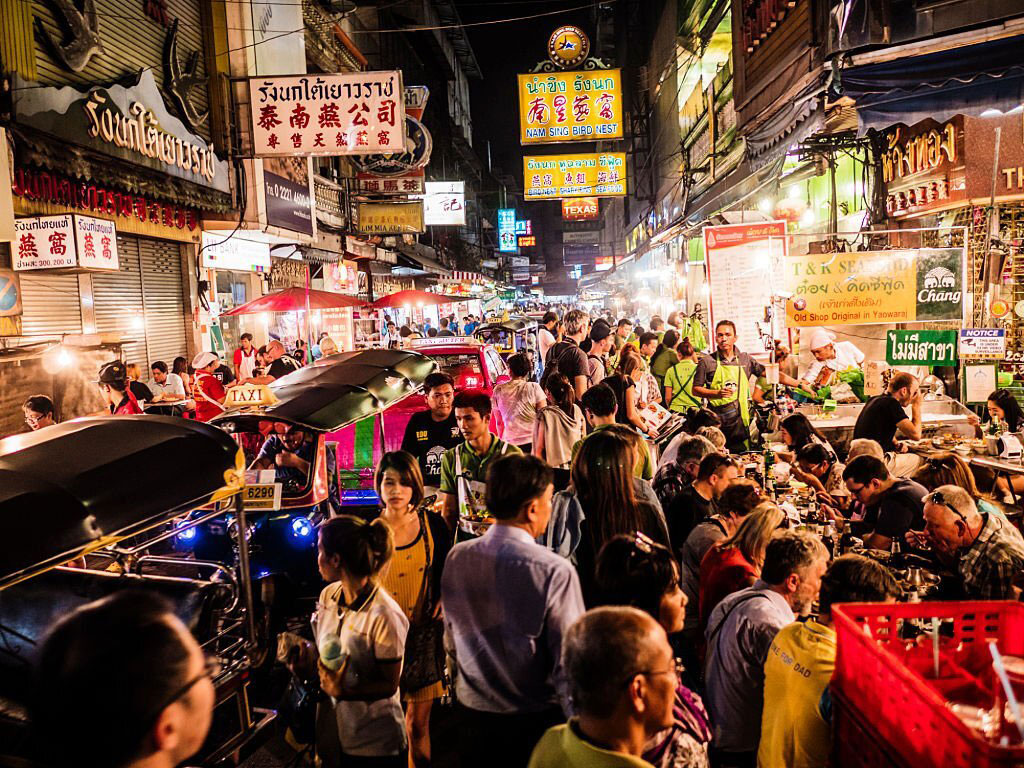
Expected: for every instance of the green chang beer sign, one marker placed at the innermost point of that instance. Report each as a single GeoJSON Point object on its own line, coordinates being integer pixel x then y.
{"type": "Point", "coordinates": [920, 347]}
{"type": "Point", "coordinates": [940, 288]}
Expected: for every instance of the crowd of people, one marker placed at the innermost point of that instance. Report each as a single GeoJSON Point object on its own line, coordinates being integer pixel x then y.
{"type": "Point", "coordinates": [614, 613]}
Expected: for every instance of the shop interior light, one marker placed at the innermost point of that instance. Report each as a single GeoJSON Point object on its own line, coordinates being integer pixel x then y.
{"type": "Point", "coordinates": [265, 318]}
{"type": "Point", "coordinates": [794, 192]}
{"type": "Point", "coordinates": [767, 205]}
{"type": "Point", "coordinates": [807, 218]}
{"type": "Point", "coordinates": [138, 322]}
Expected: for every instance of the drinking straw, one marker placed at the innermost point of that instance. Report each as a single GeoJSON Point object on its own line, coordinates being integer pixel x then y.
{"type": "Point", "coordinates": [935, 645]}
{"type": "Point", "coordinates": [997, 664]}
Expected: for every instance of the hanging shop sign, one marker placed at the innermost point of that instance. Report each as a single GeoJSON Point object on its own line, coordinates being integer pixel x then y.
{"type": "Point", "coordinates": [400, 173]}
{"type": "Point", "coordinates": [739, 256]}
{"type": "Point", "coordinates": [289, 201]}
{"type": "Point", "coordinates": [559, 176]}
{"type": "Point", "coordinates": [506, 230]}
{"type": "Point", "coordinates": [923, 167]}
{"type": "Point", "coordinates": [580, 209]}
{"type": "Point", "coordinates": [581, 237]}
{"type": "Point", "coordinates": [342, 277]}
{"type": "Point", "coordinates": [445, 204]}
{"type": "Point", "coordinates": [526, 241]}
{"type": "Point", "coordinates": [356, 113]}
{"type": "Point", "coordinates": [980, 136]}
{"type": "Point", "coordinates": [10, 294]}
{"type": "Point", "coordinates": [983, 343]}
{"type": "Point", "coordinates": [129, 122]}
{"type": "Point", "coordinates": [568, 46]}
{"type": "Point", "coordinates": [897, 286]}
{"type": "Point", "coordinates": [64, 242]}
{"type": "Point", "coordinates": [236, 253]}
{"type": "Point", "coordinates": [404, 218]}
{"type": "Point", "coordinates": [604, 263]}
{"type": "Point", "coordinates": [920, 347]}
{"type": "Point", "coordinates": [570, 106]}
{"type": "Point", "coordinates": [583, 255]}
{"type": "Point", "coordinates": [519, 262]}
{"type": "Point", "coordinates": [524, 227]}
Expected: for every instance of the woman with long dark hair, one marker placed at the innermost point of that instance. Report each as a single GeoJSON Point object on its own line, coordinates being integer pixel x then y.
{"type": "Point", "coordinates": [797, 431]}
{"type": "Point", "coordinates": [559, 427]}
{"type": "Point", "coordinates": [624, 385]}
{"type": "Point", "coordinates": [602, 482]}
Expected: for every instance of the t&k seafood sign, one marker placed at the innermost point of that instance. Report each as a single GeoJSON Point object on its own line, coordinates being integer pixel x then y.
{"type": "Point", "coordinates": [356, 113]}
{"type": "Point", "coordinates": [898, 286]}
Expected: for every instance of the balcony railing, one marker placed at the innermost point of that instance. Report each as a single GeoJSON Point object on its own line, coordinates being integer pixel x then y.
{"type": "Point", "coordinates": [331, 209]}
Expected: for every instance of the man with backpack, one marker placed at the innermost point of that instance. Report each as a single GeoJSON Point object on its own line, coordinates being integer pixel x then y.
{"type": "Point", "coordinates": [566, 357]}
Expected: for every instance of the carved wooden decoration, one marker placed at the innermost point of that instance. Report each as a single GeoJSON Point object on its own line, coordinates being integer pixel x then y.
{"type": "Point", "coordinates": [82, 29]}
{"type": "Point", "coordinates": [179, 82]}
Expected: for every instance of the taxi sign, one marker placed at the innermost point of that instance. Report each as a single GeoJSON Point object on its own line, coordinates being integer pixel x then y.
{"type": "Point", "coordinates": [262, 496]}
{"type": "Point", "coordinates": [249, 395]}
{"type": "Point", "coordinates": [443, 341]}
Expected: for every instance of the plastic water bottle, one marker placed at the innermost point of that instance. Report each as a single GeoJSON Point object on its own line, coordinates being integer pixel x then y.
{"type": "Point", "coordinates": [331, 654]}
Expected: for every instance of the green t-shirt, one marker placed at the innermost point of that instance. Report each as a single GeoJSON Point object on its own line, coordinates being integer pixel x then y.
{"type": "Point", "coordinates": [644, 467]}
{"type": "Point", "coordinates": [662, 362]}
{"type": "Point", "coordinates": [677, 377]}
{"type": "Point", "coordinates": [473, 465]}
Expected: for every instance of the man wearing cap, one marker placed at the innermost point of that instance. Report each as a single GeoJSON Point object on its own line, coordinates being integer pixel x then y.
{"type": "Point", "coordinates": [206, 387]}
{"type": "Point", "coordinates": [830, 356]}
{"type": "Point", "coordinates": [113, 381]}
{"type": "Point", "coordinates": [600, 345]}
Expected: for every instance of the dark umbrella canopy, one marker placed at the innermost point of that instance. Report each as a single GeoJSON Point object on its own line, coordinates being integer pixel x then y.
{"type": "Point", "coordinates": [71, 488]}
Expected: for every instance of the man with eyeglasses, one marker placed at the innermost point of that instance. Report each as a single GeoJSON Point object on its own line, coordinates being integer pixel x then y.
{"type": "Point", "coordinates": [623, 680]}
{"type": "Point", "coordinates": [892, 505]}
{"type": "Point", "coordinates": [988, 551]}
{"type": "Point", "coordinates": [121, 683]}
{"type": "Point", "coordinates": [431, 432]}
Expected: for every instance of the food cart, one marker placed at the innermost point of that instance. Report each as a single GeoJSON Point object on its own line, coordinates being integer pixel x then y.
{"type": "Point", "coordinates": [105, 483]}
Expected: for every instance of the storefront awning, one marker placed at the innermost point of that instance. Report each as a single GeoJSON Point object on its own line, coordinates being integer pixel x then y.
{"type": "Point", "coordinates": [960, 81]}
{"type": "Point", "coordinates": [793, 122]}
{"type": "Point", "coordinates": [423, 257]}
{"type": "Point", "coordinates": [733, 190]}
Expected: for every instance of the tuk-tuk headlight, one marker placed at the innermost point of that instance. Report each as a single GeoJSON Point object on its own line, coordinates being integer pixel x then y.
{"type": "Point", "coordinates": [301, 527]}
{"type": "Point", "coordinates": [186, 535]}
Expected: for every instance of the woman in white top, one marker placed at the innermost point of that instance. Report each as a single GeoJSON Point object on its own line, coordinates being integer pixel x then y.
{"type": "Point", "coordinates": [559, 427]}
{"type": "Point", "coordinates": [517, 403]}
{"type": "Point", "coordinates": [360, 633]}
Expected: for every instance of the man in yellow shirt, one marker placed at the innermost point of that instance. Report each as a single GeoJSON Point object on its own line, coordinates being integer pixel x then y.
{"type": "Point", "coordinates": [800, 663]}
{"type": "Point", "coordinates": [617, 715]}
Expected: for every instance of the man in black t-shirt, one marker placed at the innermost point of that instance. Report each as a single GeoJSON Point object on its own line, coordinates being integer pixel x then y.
{"type": "Point", "coordinates": [696, 502]}
{"type": "Point", "coordinates": [893, 505]}
{"type": "Point", "coordinates": [883, 417]}
{"type": "Point", "coordinates": [572, 361]}
{"type": "Point", "coordinates": [281, 364]}
{"type": "Point", "coordinates": [432, 432]}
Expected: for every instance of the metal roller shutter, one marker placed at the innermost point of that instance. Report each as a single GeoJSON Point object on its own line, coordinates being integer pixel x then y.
{"type": "Point", "coordinates": [118, 302]}
{"type": "Point", "coordinates": [51, 304]}
{"type": "Point", "coordinates": [162, 297]}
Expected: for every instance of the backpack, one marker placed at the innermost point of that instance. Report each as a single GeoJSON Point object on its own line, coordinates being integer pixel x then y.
{"type": "Point", "coordinates": [555, 352]}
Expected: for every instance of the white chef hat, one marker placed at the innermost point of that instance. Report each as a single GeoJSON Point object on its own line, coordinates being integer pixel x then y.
{"type": "Point", "coordinates": [819, 339]}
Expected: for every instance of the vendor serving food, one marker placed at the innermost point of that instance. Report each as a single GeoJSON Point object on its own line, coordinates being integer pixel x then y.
{"type": "Point", "coordinates": [830, 357]}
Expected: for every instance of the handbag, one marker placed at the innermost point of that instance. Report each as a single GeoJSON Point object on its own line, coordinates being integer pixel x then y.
{"type": "Point", "coordinates": [424, 663]}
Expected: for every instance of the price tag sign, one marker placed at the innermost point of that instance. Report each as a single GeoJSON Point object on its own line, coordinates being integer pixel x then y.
{"type": "Point", "coordinates": [263, 496]}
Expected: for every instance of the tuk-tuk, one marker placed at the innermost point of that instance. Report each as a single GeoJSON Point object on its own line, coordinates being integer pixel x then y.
{"type": "Point", "coordinates": [79, 491]}
{"type": "Point", "coordinates": [517, 334]}
{"type": "Point", "coordinates": [327, 415]}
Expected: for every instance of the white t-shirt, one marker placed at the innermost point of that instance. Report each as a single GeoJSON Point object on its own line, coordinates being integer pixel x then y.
{"type": "Point", "coordinates": [373, 633]}
{"type": "Point", "coordinates": [516, 401]}
{"type": "Point", "coordinates": [847, 355]}
{"type": "Point", "coordinates": [544, 340]}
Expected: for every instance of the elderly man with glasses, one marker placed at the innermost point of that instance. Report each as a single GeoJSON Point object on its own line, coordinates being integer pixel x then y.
{"type": "Point", "coordinates": [988, 551]}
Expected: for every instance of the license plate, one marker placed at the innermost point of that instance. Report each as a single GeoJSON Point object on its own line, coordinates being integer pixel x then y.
{"type": "Point", "coordinates": [263, 496]}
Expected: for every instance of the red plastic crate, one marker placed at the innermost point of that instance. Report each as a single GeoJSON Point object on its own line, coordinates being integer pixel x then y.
{"type": "Point", "coordinates": [854, 743]}
{"type": "Point", "coordinates": [892, 688]}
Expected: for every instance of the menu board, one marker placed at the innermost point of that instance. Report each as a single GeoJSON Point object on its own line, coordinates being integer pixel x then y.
{"type": "Point", "coordinates": [740, 260]}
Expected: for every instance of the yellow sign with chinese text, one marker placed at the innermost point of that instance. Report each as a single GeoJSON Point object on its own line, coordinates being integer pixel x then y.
{"type": "Point", "coordinates": [391, 218]}
{"type": "Point", "coordinates": [570, 106]}
{"type": "Point", "coordinates": [596, 174]}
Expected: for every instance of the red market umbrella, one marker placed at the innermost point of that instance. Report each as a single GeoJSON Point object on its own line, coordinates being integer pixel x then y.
{"type": "Point", "coordinates": [414, 299]}
{"type": "Point", "coordinates": [296, 300]}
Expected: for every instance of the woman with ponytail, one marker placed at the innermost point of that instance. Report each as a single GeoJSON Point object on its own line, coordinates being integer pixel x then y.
{"type": "Point", "coordinates": [360, 633]}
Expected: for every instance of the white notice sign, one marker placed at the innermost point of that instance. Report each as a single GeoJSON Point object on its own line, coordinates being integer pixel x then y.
{"type": "Point", "coordinates": [44, 242]}
{"type": "Point", "coordinates": [96, 240]}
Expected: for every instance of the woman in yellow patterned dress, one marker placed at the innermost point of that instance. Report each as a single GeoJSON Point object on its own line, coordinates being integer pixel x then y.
{"type": "Point", "coordinates": [413, 578]}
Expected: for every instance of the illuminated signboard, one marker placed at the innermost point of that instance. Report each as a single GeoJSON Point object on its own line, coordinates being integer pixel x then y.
{"type": "Point", "coordinates": [580, 209]}
{"type": "Point", "coordinates": [598, 174]}
{"type": "Point", "coordinates": [524, 227]}
{"type": "Point", "coordinates": [604, 263]}
{"type": "Point", "coordinates": [527, 241]}
{"type": "Point", "coordinates": [445, 204]}
{"type": "Point", "coordinates": [570, 106]}
{"type": "Point", "coordinates": [507, 230]}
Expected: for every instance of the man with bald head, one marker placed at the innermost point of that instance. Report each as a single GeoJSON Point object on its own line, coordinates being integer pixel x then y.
{"type": "Point", "coordinates": [281, 364]}
{"type": "Point", "coordinates": [988, 551]}
{"type": "Point", "coordinates": [622, 679]}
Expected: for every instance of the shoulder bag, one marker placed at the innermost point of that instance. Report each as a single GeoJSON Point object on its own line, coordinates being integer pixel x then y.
{"type": "Point", "coordinates": [424, 662]}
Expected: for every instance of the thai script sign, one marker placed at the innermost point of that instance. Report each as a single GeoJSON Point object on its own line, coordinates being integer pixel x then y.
{"type": "Point", "coordinates": [923, 167]}
{"type": "Point", "coordinates": [581, 209]}
{"type": "Point", "coordinates": [898, 286]}
{"type": "Point", "coordinates": [356, 113]}
{"type": "Point", "coordinates": [527, 241]}
{"type": "Point", "coordinates": [391, 218]}
{"type": "Point", "coordinates": [920, 347]}
{"type": "Point", "coordinates": [64, 242]}
{"type": "Point", "coordinates": [601, 174]}
{"type": "Point", "coordinates": [570, 106]}
{"type": "Point", "coordinates": [507, 230]}
{"type": "Point", "coordinates": [983, 343]}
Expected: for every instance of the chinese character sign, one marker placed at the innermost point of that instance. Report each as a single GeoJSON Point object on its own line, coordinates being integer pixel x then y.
{"type": "Point", "coordinates": [601, 174]}
{"type": "Point", "coordinates": [342, 114]}
{"type": "Point", "coordinates": [570, 106]}
{"type": "Point", "coordinates": [507, 230]}
{"type": "Point", "coordinates": [43, 242]}
{"type": "Point", "coordinates": [391, 218]}
{"type": "Point", "coordinates": [445, 204]}
{"type": "Point", "coordinates": [97, 243]}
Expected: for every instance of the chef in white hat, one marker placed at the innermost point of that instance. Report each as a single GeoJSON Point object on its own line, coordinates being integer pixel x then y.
{"type": "Point", "coordinates": [830, 356]}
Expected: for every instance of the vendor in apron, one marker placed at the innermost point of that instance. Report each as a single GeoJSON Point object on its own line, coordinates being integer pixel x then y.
{"type": "Point", "coordinates": [724, 379]}
{"type": "Point", "coordinates": [464, 467]}
{"type": "Point", "coordinates": [679, 396]}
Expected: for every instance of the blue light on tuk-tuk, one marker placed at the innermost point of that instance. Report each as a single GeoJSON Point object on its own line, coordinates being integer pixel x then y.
{"type": "Point", "coordinates": [188, 535]}
{"type": "Point", "coordinates": [301, 527]}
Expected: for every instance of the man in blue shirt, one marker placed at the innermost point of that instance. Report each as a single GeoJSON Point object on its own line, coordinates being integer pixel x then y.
{"type": "Point", "coordinates": [289, 453]}
{"type": "Point", "coordinates": [508, 602]}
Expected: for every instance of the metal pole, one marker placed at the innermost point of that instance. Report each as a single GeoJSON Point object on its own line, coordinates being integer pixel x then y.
{"type": "Point", "coordinates": [243, 566]}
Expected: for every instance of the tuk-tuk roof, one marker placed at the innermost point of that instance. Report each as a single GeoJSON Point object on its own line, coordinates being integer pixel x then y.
{"type": "Point", "coordinates": [512, 324]}
{"type": "Point", "coordinates": [342, 389]}
{"type": "Point", "coordinates": [74, 487]}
